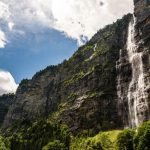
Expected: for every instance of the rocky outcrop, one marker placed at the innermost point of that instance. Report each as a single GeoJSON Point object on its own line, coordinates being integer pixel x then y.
{"type": "Point", "coordinates": [142, 13]}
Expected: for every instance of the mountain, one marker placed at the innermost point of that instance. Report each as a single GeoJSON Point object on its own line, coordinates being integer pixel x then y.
{"type": "Point", "coordinates": [81, 91]}
{"type": "Point", "coordinates": [105, 85]}
{"type": "Point", "coordinates": [88, 101]}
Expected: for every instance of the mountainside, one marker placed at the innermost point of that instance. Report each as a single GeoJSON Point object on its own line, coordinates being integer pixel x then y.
{"type": "Point", "coordinates": [5, 102]}
{"type": "Point", "coordinates": [99, 87]}
{"type": "Point", "coordinates": [81, 91]}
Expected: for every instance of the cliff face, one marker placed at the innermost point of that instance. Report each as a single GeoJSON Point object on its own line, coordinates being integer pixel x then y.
{"type": "Point", "coordinates": [142, 27]}
{"type": "Point", "coordinates": [81, 91]}
{"type": "Point", "coordinates": [142, 40]}
{"type": "Point", "coordinates": [86, 92]}
{"type": "Point", "coordinates": [133, 74]}
{"type": "Point", "coordinates": [5, 102]}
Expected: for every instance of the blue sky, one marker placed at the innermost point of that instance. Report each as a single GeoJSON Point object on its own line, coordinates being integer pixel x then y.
{"type": "Point", "coordinates": [24, 56]}
{"type": "Point", "coordinates": [38, 33]}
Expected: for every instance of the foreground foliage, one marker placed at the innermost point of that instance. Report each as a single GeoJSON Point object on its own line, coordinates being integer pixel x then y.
{"type": "Point", "coordinates": [125, 140]}
{"type": "Point", "coordinates": [44, 135]}
{"type": "Point", "coordinates": [40, 135]}
{"type": "Point", "coordinates": [102, 141]}
{"type": "Point", "coordinates": [134, 140]}
{"type": "Point", "coordinates": [142, 138]}
{"type": "Point", "coordinates": [4, 143]}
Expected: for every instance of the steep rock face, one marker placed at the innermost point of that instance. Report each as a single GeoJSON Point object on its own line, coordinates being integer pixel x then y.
{"type": "Point", "coordinates": [133, 75]}
{"type": "Point", "coordinates": [31, 96]}
{"type": "Point", "coordinates": [142, 40]}
{"type": "Point", "coordinates": [142, 27]}
{"type": "Point", "coordinates": [80, 92]}
{"type": "Point", "coordinates": [93, 102]}
{"type": "Point", "coordinates": [5, 102]}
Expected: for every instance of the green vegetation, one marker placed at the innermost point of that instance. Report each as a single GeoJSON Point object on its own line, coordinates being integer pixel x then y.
{"type": "Point", "coordinates": [131, 140]}
{"type": "Point", "coordinates": [81, 74]}
{"type": "Point", "coordinates": [24, 81]}
{"type": "Point", "coordinates": [55, 145]}
{"type": "Point", "coordinates": [4, 144]}
{"type": "Point", "coordinates": [5, 96]}
{"type": "Point", "coordinates": [102, 141]}
{"type": "Point", "coordinates": [51, 69]}
{"type": "Point", "coordinates": [63, 106]}
{"type": "Point", "coordinates": [82, 51]}
{"type": "Point", "coordinates": [74, 79]}
{"type": "Point", "coordinates": [142, 138]}
{"type": "Point", "coordinates": [44, 135]}
{"type": "Point", "coordinates": [125, 140]}
{"type": "Point", "coordinates": [94, 94]}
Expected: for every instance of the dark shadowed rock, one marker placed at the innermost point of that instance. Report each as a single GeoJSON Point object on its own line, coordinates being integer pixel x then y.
{"type": "Point", "coordinates": [5, 102]}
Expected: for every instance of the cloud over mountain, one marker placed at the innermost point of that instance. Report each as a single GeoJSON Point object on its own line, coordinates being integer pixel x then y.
{"type": "Point", "coordinates": [7, 83]}
{"type": "Point", "coordinates": [75, 18]}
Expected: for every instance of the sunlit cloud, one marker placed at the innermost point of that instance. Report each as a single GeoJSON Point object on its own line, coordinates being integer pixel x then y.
{"type": "Point", "coordinates": [7, 83]}
{"type": "Point", "coordinates": [2, 39]}
{"type": "Point", "coordinates": [77, 19]}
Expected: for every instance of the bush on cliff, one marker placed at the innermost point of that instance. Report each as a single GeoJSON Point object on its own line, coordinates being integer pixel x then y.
{"type": "Point", "coordinates": [125, 140]}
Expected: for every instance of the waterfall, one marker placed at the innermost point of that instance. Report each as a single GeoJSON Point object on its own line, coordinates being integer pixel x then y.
{"type": "Point", "coordinates": [135, 93]}
{"type": "Point", "coordinates": [95, 46]}
{"type": "Point", "coordinates": [137, 96]}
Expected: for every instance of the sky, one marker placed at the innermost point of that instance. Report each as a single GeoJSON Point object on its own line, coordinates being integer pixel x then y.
{"type": "Point", "coordinates": [38, 33]}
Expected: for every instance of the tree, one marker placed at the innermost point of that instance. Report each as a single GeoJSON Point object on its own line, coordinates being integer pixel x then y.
{"type": "Point", "coordinates": [125, 140]}
{"type": "Point", "coordinates": [55, 145]}
{"type": "Point", "coordinates": [142, 139]}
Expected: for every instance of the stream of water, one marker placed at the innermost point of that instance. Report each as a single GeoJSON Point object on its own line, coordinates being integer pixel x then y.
{"type": "Point", "coordinates": [136, 95]}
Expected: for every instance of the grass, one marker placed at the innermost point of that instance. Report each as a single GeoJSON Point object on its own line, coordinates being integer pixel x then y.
{"type": "Point", "coordinates": [112, 135]}
{"type": "Point", "coordinates": [106, 139]}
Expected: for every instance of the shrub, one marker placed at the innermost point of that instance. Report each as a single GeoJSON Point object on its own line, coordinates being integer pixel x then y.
{"type": "Point", "coordinates": [93, 145]}
{"type": "Point", "coordinates": [142, 139]}
{"type": "Point", "coordinates": [125, 140]}
{"type": "Point", "coordinates": [55, 145]}
{"type": "Point", "coordinates": [99, 142]}
{"type": "Point", "coordinates": [4, 144]}
{"type": "Point", "coordinates": [106, 143]}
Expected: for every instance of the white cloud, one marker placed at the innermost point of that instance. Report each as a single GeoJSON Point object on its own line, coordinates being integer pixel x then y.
{"type": "Point", "coordinates": [76, 18]}
{"type": "Point", "coordinates": [82, 17]}
{"type": "Point", "coordinates": [7, 83]}
{"type": "Point", "coordinates": [2, 39]}
{"type": "Point", "coordinates": [4, 11]}
{"type": "Point", "coordinates": [4, 17]}
{"type": "Point", "coordinates": [11, 25]}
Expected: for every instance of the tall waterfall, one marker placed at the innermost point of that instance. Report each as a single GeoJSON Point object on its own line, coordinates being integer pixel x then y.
{"type": "Point", "coordinates": [134, 93]}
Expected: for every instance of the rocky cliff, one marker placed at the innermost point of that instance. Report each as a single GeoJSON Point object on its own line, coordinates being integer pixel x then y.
{"type": "Point", "coordinates": [133, 77]}
{"type": "Point", "coordinates": [5, 102]}
{"type": "Point", "coordinates": [85, 92]}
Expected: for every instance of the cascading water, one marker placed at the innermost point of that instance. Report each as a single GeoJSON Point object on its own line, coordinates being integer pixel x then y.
{"type": "Point", "coordinates": [135, 92]}
{"type": "Point", "coordinates": [137, 96]}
